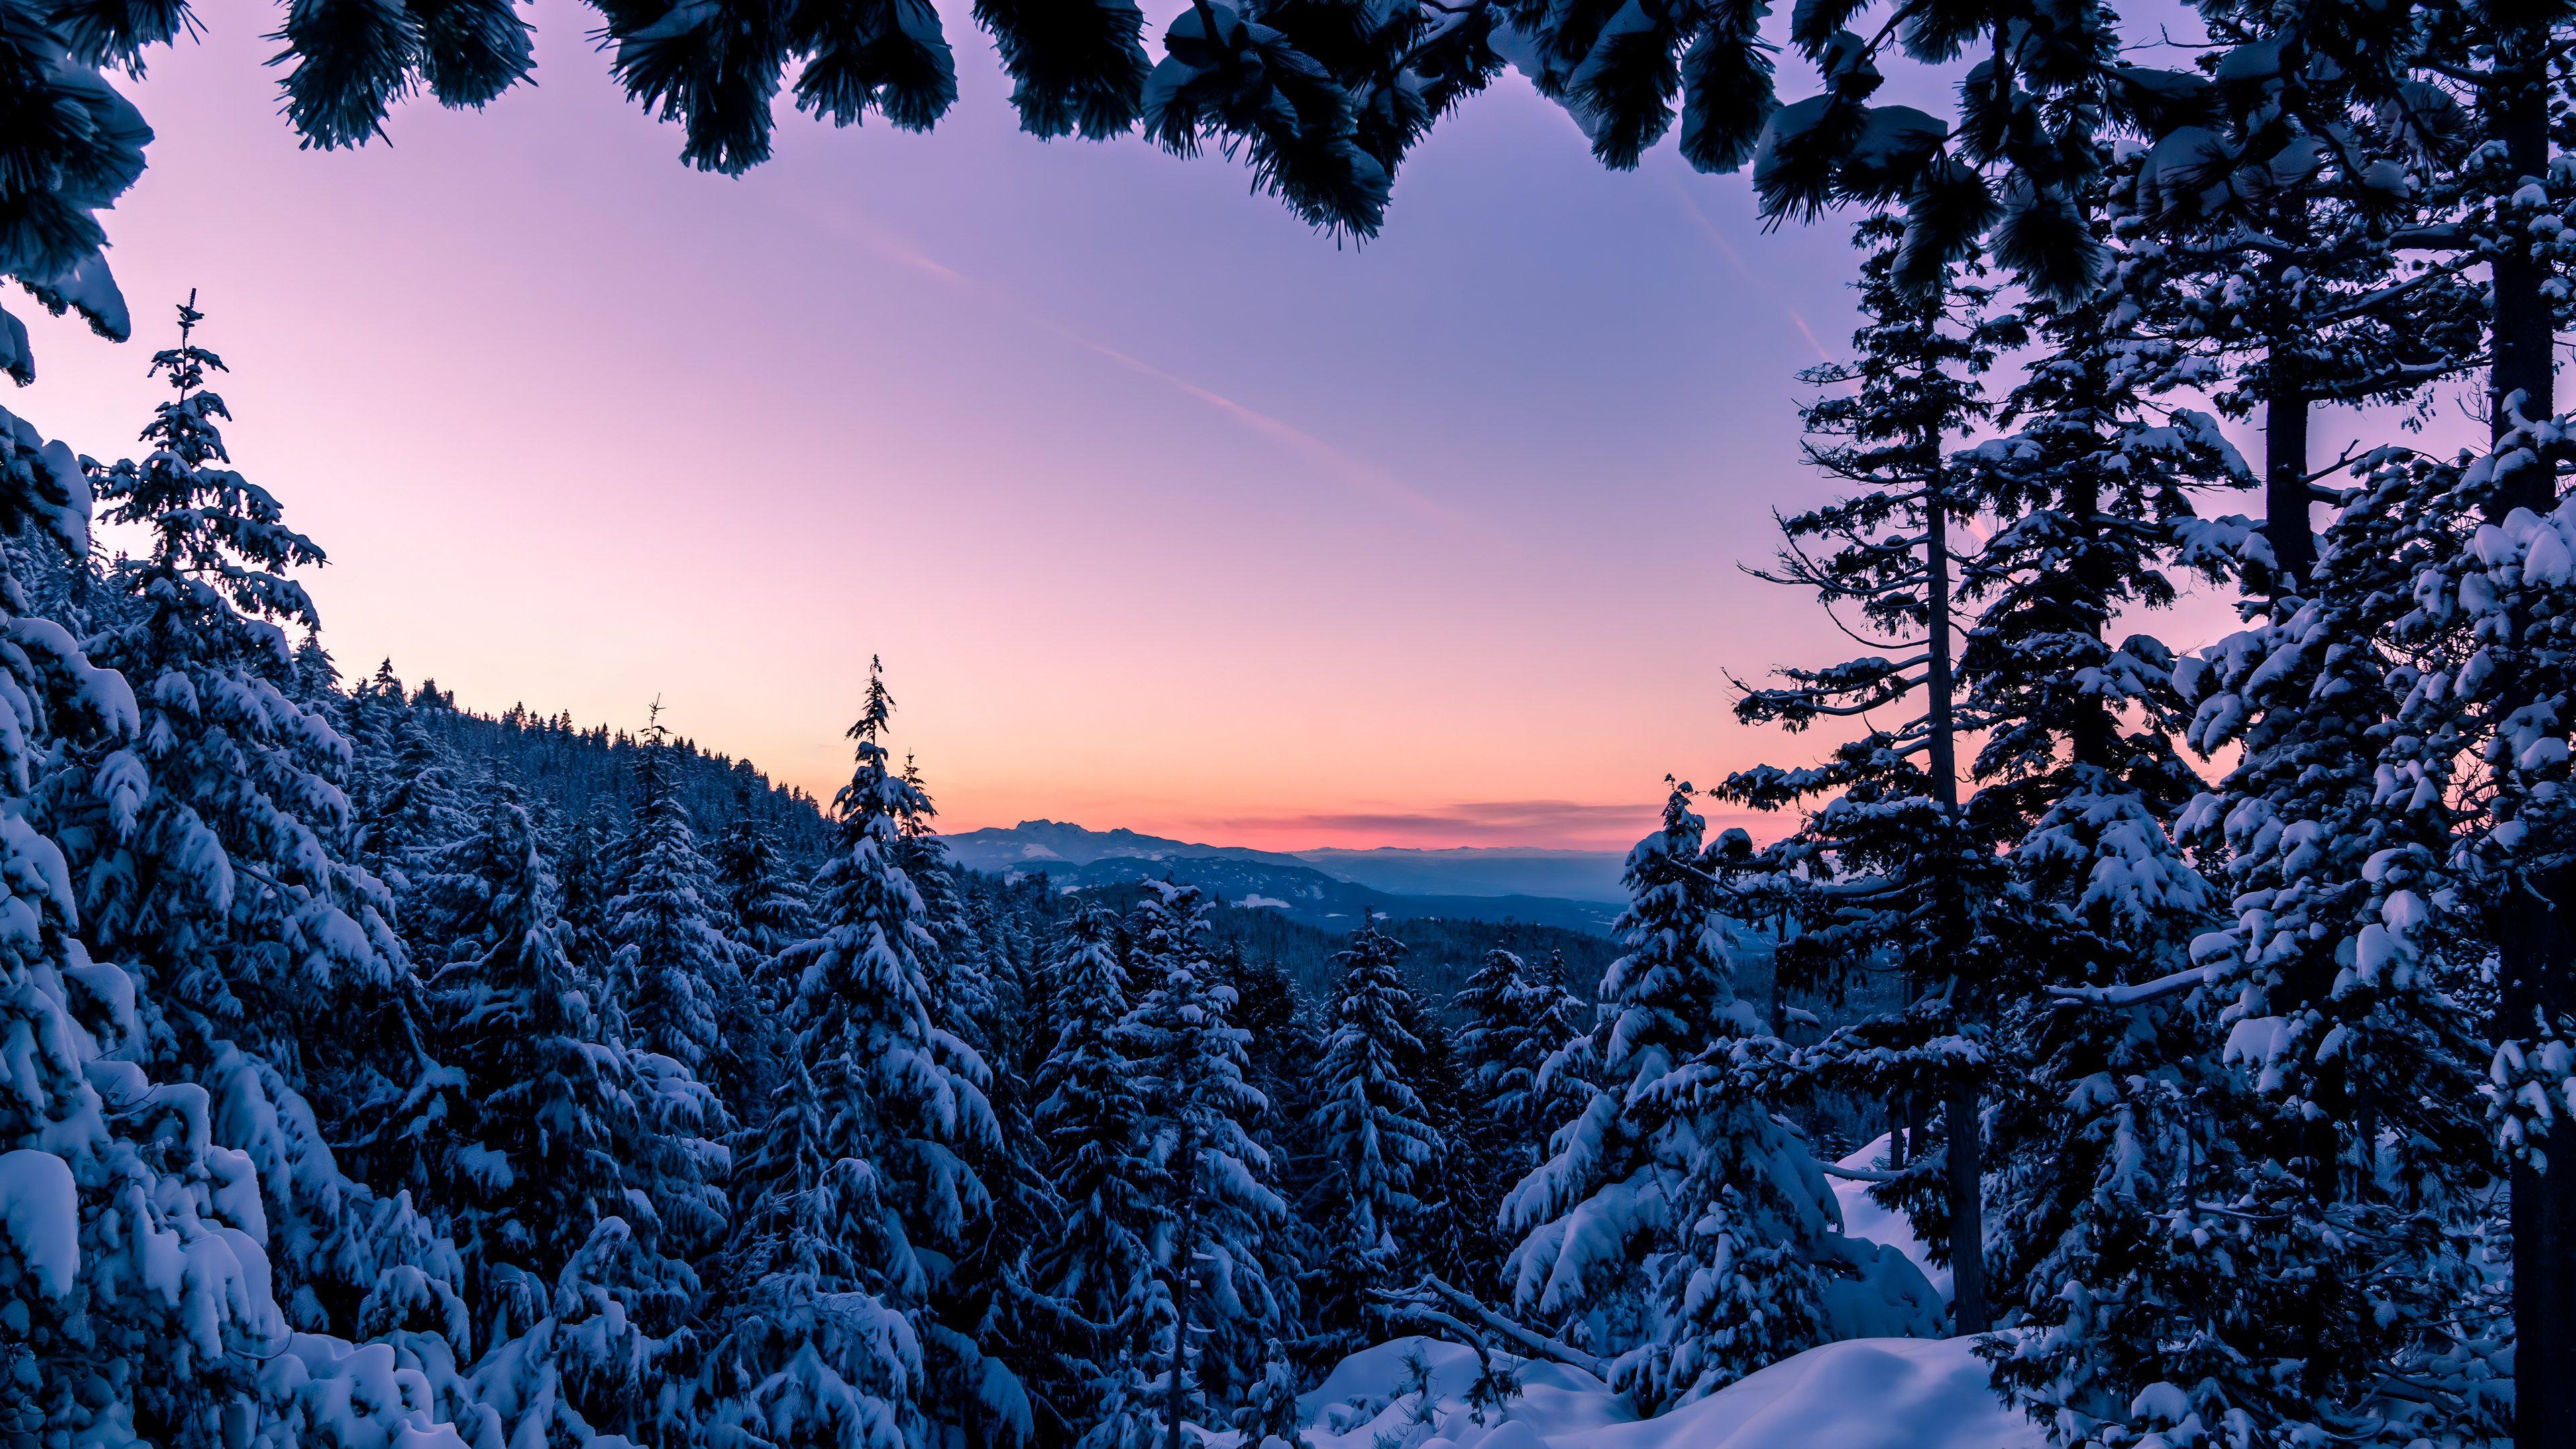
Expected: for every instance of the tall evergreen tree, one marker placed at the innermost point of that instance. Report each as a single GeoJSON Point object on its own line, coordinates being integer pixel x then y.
{"type": "Point", "coordinates": [671, 962]}
{"type": "Point", "coordinates": [856, 1198]}
{"type": "Point", "coordinates": [211, 858]}
{"type": "Point", "coordinates": [1894, 861]}
{"type": "Point", "coordinates": [1091, 1117]}
{"type": "Point", "coordinates": [583, 1179]}
{"type": "Point", "coordinates": [1678, 1228]}
{"type": "Point", "coordinates": [766, 906]}
{"type": "Point", "coordinates": [1217, 1209]}
{"type": "Point", "coordinates": [108, 1174]}
{"type": "Point", "coordinates": [1374, 1137]}
{"type": "Point", "coordinates": [1518, 1018]}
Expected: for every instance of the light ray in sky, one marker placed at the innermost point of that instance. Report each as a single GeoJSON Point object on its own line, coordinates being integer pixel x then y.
{"type": "Point", "coordinates": [1357, 473]}
{"type": "Point", "coordinates": [1709, 229]}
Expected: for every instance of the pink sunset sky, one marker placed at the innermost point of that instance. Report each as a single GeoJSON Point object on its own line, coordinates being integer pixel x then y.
{"type": "Point", "coordinates": [1162, 510]}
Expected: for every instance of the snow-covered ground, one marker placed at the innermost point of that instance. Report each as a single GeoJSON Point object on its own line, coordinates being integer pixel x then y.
{"type": "Point", "coordinates": [1867, 1393]}
{"type": "Point", "coordinates": [1865, 1219]}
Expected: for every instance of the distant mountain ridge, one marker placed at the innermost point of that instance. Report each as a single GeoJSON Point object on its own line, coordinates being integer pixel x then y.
{"type": "Point", "coordinates": [1041, 841]}
{"type": "Point", "coordinates": [1331, 890]}
{"type": "Point", "coordinates": [1479, 870]}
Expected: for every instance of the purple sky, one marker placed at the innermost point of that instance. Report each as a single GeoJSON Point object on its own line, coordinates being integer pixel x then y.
{"type": "Point", "coordinates": [1162, 510]}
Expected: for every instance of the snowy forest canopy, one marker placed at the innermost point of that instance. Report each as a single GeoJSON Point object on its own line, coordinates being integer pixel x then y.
{"type": "Point", "coordinates": [2220, 1001]}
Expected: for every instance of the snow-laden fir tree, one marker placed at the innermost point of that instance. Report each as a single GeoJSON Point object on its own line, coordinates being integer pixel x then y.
{"type": "Point", "coordinates": [765, 903]}
{"type": "Point", "coordinates": [585, 872]}
{"type": "Point", "coordinates": [986, 1330]}
{"type": "Point", "coordinates": [408, 807]}
{"type": "Point", "coordinates": [672, 967]}
{"type": "Point", "coordinates": [853, 1198]}
{"type": "Point", "coordinates": [2340, 1164]}
{"type": "Point", "coordinates": [2080, 777]}
{"type": "Point", "coordinates": [2287, 1121]}
{"type": "Point", "coordinates": [1374, 1138]}
{"type": "Point", "coordinates": [209, 857]}
{"type": "Point", "coordinates": [2278, 215]}
{"type": "Point", "coordinates": [1678, 1229]}
{"type": "Point", "coordinates": [104, 1172]}
{"type": "Point", "coordinates": [1090, 1115]}
{"type": "Point", "coordinates": [1216, 1211]}
{"type": "Point", "coordinates": [1892, 863]}
{"type": "Point", "coordinates": [1455, 1234]}
{"type": "Point", "coordinates": [1517, 1018]}
{"type": "Point", "coordinates": [2493, 700]}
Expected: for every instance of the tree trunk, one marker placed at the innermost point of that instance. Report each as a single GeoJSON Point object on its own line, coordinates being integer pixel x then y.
{"type": "Point", "coordinates": [1968, 1313]}
{"type": "Point", "coordinates": [1966, 1165]}
{"type": "Point", "coordinates": [2533, 940]}
{"type": "Point", "coordinates": [2285, 486]}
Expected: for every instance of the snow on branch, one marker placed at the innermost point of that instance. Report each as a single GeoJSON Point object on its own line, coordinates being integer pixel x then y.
{"type": "Point", "coordinates": [2138, 994]}
{"type": "Point", "coordinates": [1421, 1297]}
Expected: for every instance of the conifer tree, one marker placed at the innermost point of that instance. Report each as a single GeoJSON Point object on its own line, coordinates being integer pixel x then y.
{"type": "Point", "coordinates": [411, 806]}
{"type": "Point", "coordinates": [211, 858]}
{"type": "Point", "coordinates": [1894, 860]}
{"type": "Point", "coordinates": [108, 1174]}
{"type": "Point", "coordinates": [1216, 1210]}
{"type": "Point", "coordinates": [671, 962]}
{"type": "Point", "coordinates": [765, 903]}
{"type": "Point", "coordinates": [1375, 1138]}
{"type": "Point", "coordinates": [1091, 1117]}
{"type": "Point", "coordinates": [1454, 1234]}
{"type": "Point", "coordinates": [2227, 1110]}
{"type": "Point", "coordinates": [317, 674]}
{"type": "Point", "coordinates": [1678, 1228]}
{"type": "Point", "coordinates": [1517, 1020]}
{"type": "Point", "coordinates": [986, 1328]}
{"type": "Point", "coordinates": [1280, 1065]}
{"type": "Point", "coordinates": [856, 1198]}
{"type": "Point", "coordinates": [584, 1178]}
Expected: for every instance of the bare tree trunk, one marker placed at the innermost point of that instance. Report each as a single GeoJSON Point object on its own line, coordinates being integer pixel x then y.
{"type": "Point", "coordinates": [1968, 1312]}
{"type": "Point", "coordinates": [2533, 939]}
{"type": "Point", "coordinates": [2285, 486]}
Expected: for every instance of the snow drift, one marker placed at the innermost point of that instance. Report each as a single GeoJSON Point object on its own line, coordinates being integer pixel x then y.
{"type": "Point", "coordinates": [1868, 1393]}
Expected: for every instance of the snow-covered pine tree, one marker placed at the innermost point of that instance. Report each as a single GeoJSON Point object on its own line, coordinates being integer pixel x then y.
{"type": "Point", "coordinates": [766, 906]}
{"type": "Point", "coordinates": [986, 1329]}
{"type": "Point", "coordinates": [2338, 1164]}
{"type": "Point", "coordinates": [1374, 1138]}
{"type": "Point", "coordinates": [585, 870]}
{"type": "Point", "coordinates": [855, 1200]}
{"type": "Point", "coordinates": [1279, 1064]}
{"type": "Point", "coordinates": [2081, 777]}
{"type": "Point", "coordinates": [1456, 1232]}
{"type": "Point", "coordinates": [1090, 1115]}
{"type": "Point", "coordinates": [2341, 1164]}
{"type": "Point", "coordinates": [671, 963]}
{"type": "Point", "coordinates": [105, 1174]}
{"type": "Point", "coordinates": [2277, 214]}
{"type": "Point", "coordinates": [210, 860]}
{"type": "Point", "coordinates": [2504, 713]}
{"type": "Point", "coordinates": [1518, 1017]}
{"type": "Point", "coordinates": [317, 675]}
{"type": "Point", "coordinates": [410, 807]}
{"type": "Point", "coordinates": [1892, 862]}
{"type": "Point", "coordinates": [1678, 1229]}
{"type": "Point", "coordinates": [1216, 1210]}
